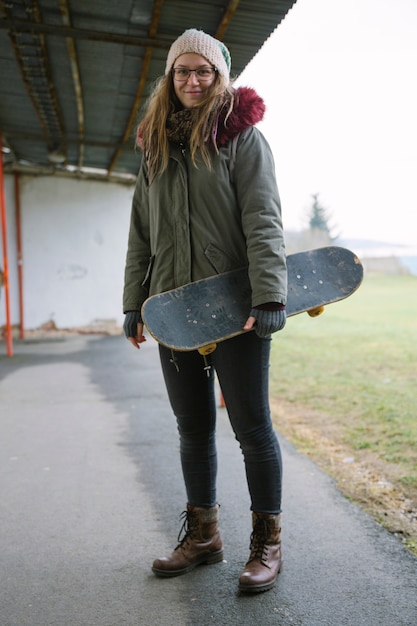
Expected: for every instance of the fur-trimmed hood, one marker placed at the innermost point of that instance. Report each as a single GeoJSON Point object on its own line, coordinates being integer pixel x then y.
{"type": "Point", "coordinates": [248, 109]}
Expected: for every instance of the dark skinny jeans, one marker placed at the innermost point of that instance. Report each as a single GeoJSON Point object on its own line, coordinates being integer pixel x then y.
{"type": "Point", "coordinates": [242, 367]}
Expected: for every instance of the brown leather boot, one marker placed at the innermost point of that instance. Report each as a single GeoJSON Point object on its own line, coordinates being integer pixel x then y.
{"type": "Point", "coordinates": [201, 543]}
{"type": "Point", "coordinates": [265, 560]}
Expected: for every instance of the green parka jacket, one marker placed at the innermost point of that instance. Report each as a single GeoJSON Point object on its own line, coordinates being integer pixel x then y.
{"type": "Point", "coordinates": [191, 223]}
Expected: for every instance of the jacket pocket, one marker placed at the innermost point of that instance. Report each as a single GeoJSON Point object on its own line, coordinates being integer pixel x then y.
{"type": "Point", "coordinates": [219, 260]}
{"type": "Point", "coordinates": [147, 280]}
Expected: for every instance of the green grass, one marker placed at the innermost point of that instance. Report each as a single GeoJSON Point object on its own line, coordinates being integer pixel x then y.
{"type": "Point", "coordinates": [357, 365]}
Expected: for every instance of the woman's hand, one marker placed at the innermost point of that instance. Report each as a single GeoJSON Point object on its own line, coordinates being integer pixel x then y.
{"type": "Point", "coordinates": [133, 327]}
{"type": "Point", "coordinates": [266, 321]}
{"type": "Point", "coordinates": [139, 337]}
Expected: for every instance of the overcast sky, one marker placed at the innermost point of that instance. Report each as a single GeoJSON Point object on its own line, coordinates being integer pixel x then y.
{"type": "Point", "coordinates": [340, 83]}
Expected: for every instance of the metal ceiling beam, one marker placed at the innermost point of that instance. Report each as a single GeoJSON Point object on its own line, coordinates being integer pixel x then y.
{"type": "Point", "coordinates": [17, 25]}
{"type": "Point", "coordinates": [227, 18]}
{"type": "Point", "coordinates": [70, 139]}
{"type": "Point", "coordinates": [87, 173]}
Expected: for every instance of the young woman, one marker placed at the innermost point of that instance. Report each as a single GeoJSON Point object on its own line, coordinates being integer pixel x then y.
{"type": "Point", "coordinates": [206, 201]}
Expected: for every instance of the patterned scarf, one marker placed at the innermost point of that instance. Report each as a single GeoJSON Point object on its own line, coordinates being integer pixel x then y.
{"type": "Point", "coordinates": [179, 126]}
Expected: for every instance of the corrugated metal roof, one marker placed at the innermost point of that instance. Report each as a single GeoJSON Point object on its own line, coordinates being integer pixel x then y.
{"type": "Point", "coordinates": [74, 74]}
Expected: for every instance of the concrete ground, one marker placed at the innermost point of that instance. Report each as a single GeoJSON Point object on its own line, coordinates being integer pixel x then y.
{"type": "Point", "coordinates": [91, 493]}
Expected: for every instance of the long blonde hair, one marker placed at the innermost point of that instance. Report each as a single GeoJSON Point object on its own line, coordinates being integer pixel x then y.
{"type": "Point", "coordinates": [151, 132]}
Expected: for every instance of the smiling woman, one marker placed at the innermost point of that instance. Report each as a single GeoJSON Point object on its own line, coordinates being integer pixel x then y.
{"type": "Point", "coordinates": [190, 221]}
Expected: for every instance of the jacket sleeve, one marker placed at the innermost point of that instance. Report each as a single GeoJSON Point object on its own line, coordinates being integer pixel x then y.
{"type": "Point", "coordinates": [259, 202]}
{"type": "Point", "coordinates": [138, 257]}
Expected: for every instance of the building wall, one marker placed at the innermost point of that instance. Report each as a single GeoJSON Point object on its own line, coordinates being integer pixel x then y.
{"type": "Point", "coordinates": [74, 237]}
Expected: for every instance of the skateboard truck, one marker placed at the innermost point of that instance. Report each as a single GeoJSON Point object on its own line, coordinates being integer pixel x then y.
{"type": "Point", "coordinates": [205, 351]}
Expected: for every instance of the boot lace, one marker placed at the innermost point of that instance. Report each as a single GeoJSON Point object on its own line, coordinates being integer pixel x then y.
{"type": "Point", "coordinates": [188, 527]}
{"type": "Point", "coordinates": [258, 541]}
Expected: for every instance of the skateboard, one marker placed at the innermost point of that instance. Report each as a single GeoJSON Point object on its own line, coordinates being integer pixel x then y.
{"type": "Point", "coordinates": [199, 315]}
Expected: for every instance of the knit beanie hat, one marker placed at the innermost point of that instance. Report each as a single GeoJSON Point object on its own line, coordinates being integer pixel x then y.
{"type": "Point", "coordinates": [197, 41]}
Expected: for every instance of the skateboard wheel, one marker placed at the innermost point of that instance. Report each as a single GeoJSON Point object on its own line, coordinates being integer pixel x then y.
{"type": "Point", "coordinates": [316, 312]}
{"type": "Point", "coordinates": [207, 349]}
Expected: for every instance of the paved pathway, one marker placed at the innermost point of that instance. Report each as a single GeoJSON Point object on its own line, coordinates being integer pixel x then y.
{"type": "Point", "coordinates": [90, 494]}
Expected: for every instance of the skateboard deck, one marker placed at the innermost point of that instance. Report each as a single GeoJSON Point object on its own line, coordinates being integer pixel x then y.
{"type": "Point", "coordinates": [205, 312]}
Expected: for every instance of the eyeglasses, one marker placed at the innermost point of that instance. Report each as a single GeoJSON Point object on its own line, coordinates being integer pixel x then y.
{"type": "Point", "coordinates": [182, 74]}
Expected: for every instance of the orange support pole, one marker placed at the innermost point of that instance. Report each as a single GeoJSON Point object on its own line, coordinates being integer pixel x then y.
{"type": "Point", "coordinates": [19, 255]}
{"type": "Point", "coordinates": [9, 341]}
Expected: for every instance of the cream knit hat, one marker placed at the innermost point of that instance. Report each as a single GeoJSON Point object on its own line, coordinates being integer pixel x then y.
{"type": "Point", "coordinates": [197, 41]}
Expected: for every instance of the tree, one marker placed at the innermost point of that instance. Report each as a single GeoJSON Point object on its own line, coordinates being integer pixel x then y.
{"type": "Point", "coordinates": [318, 231]}
{"type": "Point", "coordinates": [319, 220]}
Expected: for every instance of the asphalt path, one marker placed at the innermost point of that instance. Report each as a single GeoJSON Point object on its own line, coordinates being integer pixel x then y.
{"type": "Point", "coordinates": [91, 492]}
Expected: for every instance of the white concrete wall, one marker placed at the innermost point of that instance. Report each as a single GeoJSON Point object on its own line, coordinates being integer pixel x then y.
{"type": "Point", "coordinates": [74, 238]}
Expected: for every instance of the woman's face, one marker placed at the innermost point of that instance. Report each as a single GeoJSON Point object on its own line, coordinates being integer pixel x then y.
{"type": "Point", "coordinates": [190, 90]}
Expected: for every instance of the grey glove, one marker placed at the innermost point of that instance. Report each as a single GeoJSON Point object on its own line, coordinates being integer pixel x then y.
{"type": "Point", "coordinates": [268, 322]}
{"type": "Point", "coordinates": [130, 326]}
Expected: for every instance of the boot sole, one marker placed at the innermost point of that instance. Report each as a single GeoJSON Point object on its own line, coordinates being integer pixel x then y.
{"type": "Point", "coordinates": [260, 588]}
{"type": "Point", "coordinates": [208, 559]}
{"type": "Point", "coordinates": [256, 588]}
